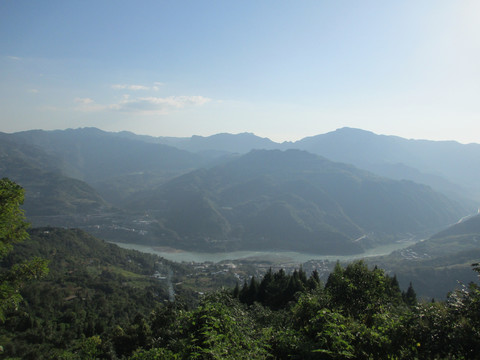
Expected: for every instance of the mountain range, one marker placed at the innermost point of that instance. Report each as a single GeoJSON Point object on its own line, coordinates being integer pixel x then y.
{"type": "Point", "coordinates": [447, 166]}
{"type": "Point", "coordinates": [215, 193]}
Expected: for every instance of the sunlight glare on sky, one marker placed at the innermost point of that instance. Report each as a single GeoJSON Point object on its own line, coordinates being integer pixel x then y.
{"type": "Point", "coordinates": [279, 69]}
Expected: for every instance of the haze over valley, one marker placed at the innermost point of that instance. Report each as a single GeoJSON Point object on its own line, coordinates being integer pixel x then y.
{"type": "Point", "coordinates": [230, 180]}
{"type": "Point", "coordinates": [241, 196]}
{"type": "Point", "coordinates": [213, 198]}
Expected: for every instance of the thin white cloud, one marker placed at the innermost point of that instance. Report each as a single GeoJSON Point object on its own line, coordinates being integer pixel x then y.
{"type": "Point", "coordinates": [143, 105]}
{"type": "Point", "coordinates": [119, 86]}
{"type": "Point", "coordinates": [156, 85]}
{"type": "Point", "coordinates": [159, 105]}
{"type": "Point", "coordinates": [138, 87]}
{"type": "Point", "coordinates": [88, 105]}
{"type": "Point", "coordinates": [33, 91]}
{"type": "Point", "coordinates": [16, 58]}
{"type": "Point", "coordinates": [84, 101]}
{"type": "Point", "coordinates": [131, 87]}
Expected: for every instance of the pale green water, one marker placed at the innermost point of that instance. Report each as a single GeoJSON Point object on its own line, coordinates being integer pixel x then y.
{"type": "Point", "coordinates": [276, 256]}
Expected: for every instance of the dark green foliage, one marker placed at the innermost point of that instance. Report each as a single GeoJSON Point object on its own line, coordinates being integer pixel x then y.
{"type": "Point", "coordinates": [12, 220]}
{"type": "Point", "coordinates": [219, 328]}
{"type": "Point", "coordinates": [317, 325]}
{"type": "Point", "coordinates": [277, 290]}
{"type": "Point", "coordinates": [358, 291]}
{"type": "Point", "coordinates": [92, 289]}
{"type": "Point", "coordinates": [249, 294]}
{"type": "Point", "coordinates": [360, 313]}
{"type": "Point", "coordinates": [410, 296]}
{"type": "Point", "coordinates": [13, 230]}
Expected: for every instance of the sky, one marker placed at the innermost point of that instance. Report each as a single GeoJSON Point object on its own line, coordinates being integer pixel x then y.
{"type": "Point", "coordinates": [280, 69]}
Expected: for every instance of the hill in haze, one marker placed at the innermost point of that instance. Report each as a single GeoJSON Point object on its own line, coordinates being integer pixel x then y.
{"type": "Point", "coordinates": [48, 191]}
{"type": "Point", "coordinates": [214, 199]}
{"type": "Point", "coordinates": [116, 163]}
{"type": "Point", "coordinates": [447, 166]}
{"type": "Point", "coordinates": [440, 263]}
{"type": "Point", "coordinates": [291, 200]}
{"type": "Point", "coordinates": [113, 164]}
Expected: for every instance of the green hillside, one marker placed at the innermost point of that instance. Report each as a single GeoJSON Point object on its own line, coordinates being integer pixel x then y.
{"type": "Point", "coordinates": [48, 191]}
{"type": "Point", "coordinates": [437, 264]}
{"type": "Point", "coordinates": [292, 200]}
{"type": "Point", "coordinates": [102, 302]}
{"type": "Point", "coordinates": [92, 288]}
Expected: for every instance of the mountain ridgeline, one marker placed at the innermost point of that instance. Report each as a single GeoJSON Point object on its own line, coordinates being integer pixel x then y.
{"type": "Point", "coordinates": [217, 193]}
{"type": "Point", "coordinates": [49, 191]}
{"type": "Point", "coordinates": [116, 166]}
{"type": "Point", "coordinates": [447, 166]}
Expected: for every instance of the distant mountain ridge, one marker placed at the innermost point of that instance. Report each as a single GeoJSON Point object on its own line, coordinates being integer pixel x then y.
{"type": "Point", "coordinates": [94, 155]}
{"type": "Point", "coordinates": [437, 163]}
{"type": "Point", "coordinates": [447, 166]}
{"type": "Point", "coordinates": [224, 142]}
{"type": "Point", "coordinates": [114, 165]}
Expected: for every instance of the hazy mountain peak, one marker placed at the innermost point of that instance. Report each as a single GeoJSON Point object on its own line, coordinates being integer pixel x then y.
{"type": "Point", "coordinates": [350, 130]}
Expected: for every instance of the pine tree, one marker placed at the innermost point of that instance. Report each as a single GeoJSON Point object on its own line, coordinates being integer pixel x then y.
{"type": "Point", "coordinates": [251, 292]}
{"type": "Point", "coordinates": [242, 296]}
{"type": "Point", "coordinates": [263, 288]}
{"type": "Point", "coordinates": [410, 297]}
{"type": "Point", "coordinates": [314, 280]}
{"type": "Point", "coordinates": [236, 291]}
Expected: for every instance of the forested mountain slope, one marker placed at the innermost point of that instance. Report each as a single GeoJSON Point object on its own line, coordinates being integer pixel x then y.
{"type": "Point", "coordinates": [100, 301]}
{"type": "Point", "coordinates": [94, 155]}
{"type": "Point", "coordinates": [92, 288]}
{"type": "Point", "coordinates": [48, 191]}
{"type": "Point", "coordinates": [291, 200]}
{"type": "Point", "coordinates": [262, 200]}
{"type": "Point", "coordinates": [114, 165]}
{"type": "Point", "coordinates": [359, 313]}
{"type": "Point", "coordinates": [437, 264]}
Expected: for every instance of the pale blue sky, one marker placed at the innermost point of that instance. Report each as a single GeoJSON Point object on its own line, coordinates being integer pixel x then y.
{"type": "Point", "coordinates": [279, 69]}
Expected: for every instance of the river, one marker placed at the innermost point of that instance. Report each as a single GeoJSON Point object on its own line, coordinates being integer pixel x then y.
{"type": "Point", "coordinates": [274, 256]}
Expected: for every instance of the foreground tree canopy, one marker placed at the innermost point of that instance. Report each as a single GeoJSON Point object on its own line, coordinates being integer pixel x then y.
{"type": "Point", "coordinates": [13, 230]}
{"type": "Point", "coordinates": [360, 313]}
